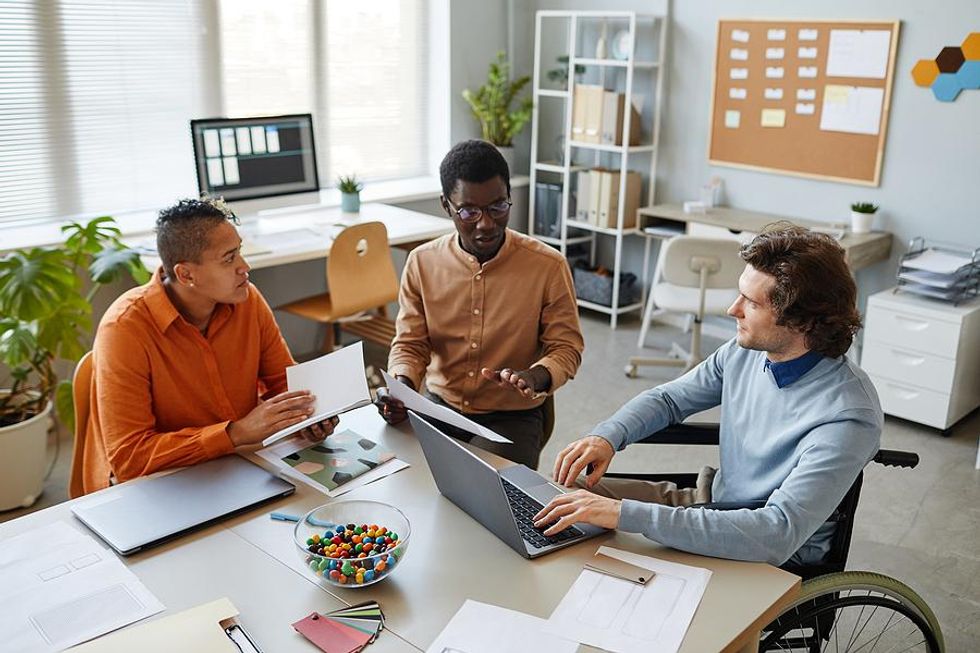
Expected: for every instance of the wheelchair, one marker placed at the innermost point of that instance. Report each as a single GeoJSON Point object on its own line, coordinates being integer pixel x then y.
{"type": "Point", "coordinates": [837, 610]}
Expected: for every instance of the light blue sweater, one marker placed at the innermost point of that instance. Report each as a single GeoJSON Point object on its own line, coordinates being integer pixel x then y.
{"type": "Point", "coordinates": [798, 447]}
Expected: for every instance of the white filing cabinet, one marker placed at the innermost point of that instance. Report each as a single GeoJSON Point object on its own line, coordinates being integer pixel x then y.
{"type": "Point", "coordinates": [923, 357]}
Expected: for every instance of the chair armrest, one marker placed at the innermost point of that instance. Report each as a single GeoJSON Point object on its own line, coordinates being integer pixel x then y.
{"type": "Point", "coordinates": [893, 458]}
{"type": "Point", "coordinates": [692, 433]}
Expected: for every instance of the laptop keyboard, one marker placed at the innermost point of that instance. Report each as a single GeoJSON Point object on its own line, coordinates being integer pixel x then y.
{"type": "Point", "coordinates": [524, 509]}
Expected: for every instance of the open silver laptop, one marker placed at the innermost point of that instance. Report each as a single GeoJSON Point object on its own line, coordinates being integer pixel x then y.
{"type": "Point", "coordinates": [137, 515]}
{"type": "Point", "coordinates": [503, 501]}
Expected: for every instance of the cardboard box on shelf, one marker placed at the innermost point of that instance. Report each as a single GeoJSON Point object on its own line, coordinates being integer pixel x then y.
{"type": "Point", "coordinates": [587, 113]}
{"type": "Point", "coordinates": [608, 202]}
{"type": "Point", "coordinates": [613, 115]}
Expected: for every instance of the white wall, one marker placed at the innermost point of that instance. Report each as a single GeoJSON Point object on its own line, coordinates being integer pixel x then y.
{"type": "Point", "coordinates": [931, 168]}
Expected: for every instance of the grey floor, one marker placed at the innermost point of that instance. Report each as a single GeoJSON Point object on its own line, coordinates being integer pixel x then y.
{"type": "Point", "coordinates": [921, 526]}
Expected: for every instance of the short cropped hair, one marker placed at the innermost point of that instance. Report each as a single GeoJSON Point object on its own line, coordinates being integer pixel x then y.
{"type": "Point", "coordinates": [182, 229]}
{"type": "Point", "coordinates": [475, 161]}
{"type": "Point", "coordinates": [814, 291]}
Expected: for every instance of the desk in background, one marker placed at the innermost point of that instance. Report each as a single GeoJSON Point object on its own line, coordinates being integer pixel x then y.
{"type": "Point", "coordinates": [253, 560]}
{"type": "Point", "coordinates": [860, 250]}
{"type": "Point", "coordinates": [303, 234]}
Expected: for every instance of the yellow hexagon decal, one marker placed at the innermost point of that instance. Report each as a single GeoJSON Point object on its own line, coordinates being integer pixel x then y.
{"type": "Point", "coordinates": [971, 47]}
{"type": "Point", "coordinates": [925, 71]}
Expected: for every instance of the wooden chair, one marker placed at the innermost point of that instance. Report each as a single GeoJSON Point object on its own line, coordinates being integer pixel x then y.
{"type": "Point", "coordinates": [360, 277]}
{"type": "Point", "coordinates": [81, 399]}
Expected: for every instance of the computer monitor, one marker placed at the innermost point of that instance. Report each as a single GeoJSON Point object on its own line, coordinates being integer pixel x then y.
{"type": "Point", "coordinates": [244, 158]}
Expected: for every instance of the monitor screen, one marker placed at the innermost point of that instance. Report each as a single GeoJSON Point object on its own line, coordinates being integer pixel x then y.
{"type": "Point", "coordinates": [243, 158]}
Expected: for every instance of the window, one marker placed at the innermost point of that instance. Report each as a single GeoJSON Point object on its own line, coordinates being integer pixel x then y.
{"type": "Point", "coordinates": [96, 95]}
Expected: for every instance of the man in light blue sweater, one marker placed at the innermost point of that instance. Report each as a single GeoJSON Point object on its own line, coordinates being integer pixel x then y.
{"type": "Point", "coordinates": [798, 420]}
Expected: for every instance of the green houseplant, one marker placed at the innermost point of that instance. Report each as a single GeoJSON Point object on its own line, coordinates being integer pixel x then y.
{"type": "Point", "coordinates": [491, 105]}
{"type": "Point", "coordinates": [862, 216]}
{"type": "Point", "coordinates": [350, 193]}
{"type": "Point", "coordinates": [45, 315]}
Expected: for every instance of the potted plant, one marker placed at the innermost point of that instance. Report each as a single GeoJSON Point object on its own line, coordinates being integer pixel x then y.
{"type": "Point", "coordinates": [862, 217]}
{"type": "Point", "coordinates": [350, 193]}
{"type": "Point", "coordinates": [45, 315]}
{"type": "Point", "coordinates": [491, 104]}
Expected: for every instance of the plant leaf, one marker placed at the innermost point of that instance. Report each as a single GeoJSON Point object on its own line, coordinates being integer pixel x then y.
{"type": "Point", "coordinates": [17, 343]}
{"type": "Point", "coordinates": [110, 263]}
{"type": "Point", "coordinates": [34, 281]}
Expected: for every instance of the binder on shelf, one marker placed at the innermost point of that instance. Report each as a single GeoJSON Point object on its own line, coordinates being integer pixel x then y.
{"type": "Point", "coordinates": [547, 209]}
{"type": "Point", "coordinates": [609, 199]}
{"type": "Point", "coordinates": [613, 115]}
{"type": "Point", "coordinates": [583, 186]}
{"type": "Point", "coordinates": [587, 113]}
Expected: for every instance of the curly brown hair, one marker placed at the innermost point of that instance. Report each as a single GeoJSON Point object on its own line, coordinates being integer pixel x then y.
{"type": "Point", "coordinates": [814, 291]}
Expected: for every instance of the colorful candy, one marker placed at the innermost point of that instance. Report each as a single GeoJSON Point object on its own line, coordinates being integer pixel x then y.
{"type": "Point", "coordinates": [354, 554]}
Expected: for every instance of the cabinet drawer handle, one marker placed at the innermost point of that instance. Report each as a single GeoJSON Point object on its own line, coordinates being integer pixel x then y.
{"type": "Point", "coordinates": [912, 323]}
{"type": "Point", "coordinates": [903, 393]}
{"type": "Point", "coordinates": [908, 359]}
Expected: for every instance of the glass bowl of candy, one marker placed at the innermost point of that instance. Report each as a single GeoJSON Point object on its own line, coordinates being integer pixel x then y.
{"type": "Point", "coordinates": [353, 543]}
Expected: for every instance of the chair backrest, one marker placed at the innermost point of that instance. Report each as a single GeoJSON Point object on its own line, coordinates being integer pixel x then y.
{"type": "Point", "coordinates": [81, 399]}
{"type": "Point", "coordinates": [360, 274]}
{"type": "Point", "coordinates": [682, 257]}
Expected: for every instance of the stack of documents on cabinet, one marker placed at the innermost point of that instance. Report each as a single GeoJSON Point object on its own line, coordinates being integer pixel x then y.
{"type": "Point", "coordinates": [59, 587]}
{"type": "Point", "coordinates": [623, 616]}
{"type": "Point", "coordinates": [940, 273]}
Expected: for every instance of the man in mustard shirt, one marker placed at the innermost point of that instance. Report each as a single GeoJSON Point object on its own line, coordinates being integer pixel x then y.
{"type": "Point", "coordinates": [487, 315]}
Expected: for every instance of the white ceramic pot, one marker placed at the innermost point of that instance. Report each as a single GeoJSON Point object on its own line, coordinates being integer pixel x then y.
{"type": "Point", "coordinates": [861, 222]}
{"type": "Point", "coordinates": [508, 154]}
{"type": "Point", "coordinates": [24, 449]}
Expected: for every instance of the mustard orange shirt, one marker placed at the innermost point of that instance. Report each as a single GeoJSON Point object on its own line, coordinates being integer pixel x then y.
{"type": "Point", "coordinates": [163, 393]}
{"type": "Point", "coordinates": [457, 316]}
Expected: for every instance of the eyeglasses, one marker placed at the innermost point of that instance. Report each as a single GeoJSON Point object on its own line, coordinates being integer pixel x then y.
{"type": "Point", "coordinates": [496, 210]}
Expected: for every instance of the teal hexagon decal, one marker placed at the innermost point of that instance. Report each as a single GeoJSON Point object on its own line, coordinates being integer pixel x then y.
{"type": "Point", "coordinates": [946, 87]}
{"type": "Point", "coordinates": [969, 75]}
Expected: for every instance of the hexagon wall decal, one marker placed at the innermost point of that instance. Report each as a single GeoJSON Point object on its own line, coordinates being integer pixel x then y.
{"type": "Point", "coordinates": [955, 68]}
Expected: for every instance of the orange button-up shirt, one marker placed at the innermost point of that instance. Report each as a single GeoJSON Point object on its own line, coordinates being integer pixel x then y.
{"type": "Point", "coordinates": [456, 316]}
{"type": "Point", "coordinates": [163, 393]}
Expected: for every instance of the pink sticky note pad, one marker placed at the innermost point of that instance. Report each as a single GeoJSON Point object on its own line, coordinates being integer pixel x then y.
{"type": "Point", "coordinates": [330, 636]}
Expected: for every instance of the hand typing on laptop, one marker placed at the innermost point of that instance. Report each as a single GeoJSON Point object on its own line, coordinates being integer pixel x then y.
{"type": "Point", "coordinates": [591, 454]}
{"type": "Point", "coordinates": [277, 413]}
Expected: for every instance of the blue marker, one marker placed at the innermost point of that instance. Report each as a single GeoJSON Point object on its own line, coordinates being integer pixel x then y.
{"type": "Point", "coordinates": [285, 516]}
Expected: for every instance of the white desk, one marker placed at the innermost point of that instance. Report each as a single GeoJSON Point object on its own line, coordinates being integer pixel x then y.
{"type": "Point", "coordinates": [293, 235]}
{"type": "Point", "coordinates": [252, 560]}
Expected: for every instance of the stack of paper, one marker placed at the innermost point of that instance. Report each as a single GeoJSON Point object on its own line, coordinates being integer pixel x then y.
{"type": "Point", "coordinates": [483, 628]}
{"type": "Point", "coordinates": [343, 631]}
{"type": "Point", "coordinates": [940, 274]}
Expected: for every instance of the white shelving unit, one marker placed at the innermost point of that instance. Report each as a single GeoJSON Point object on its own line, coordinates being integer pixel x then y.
{"type": "Point", "coordinates": [647, 33]}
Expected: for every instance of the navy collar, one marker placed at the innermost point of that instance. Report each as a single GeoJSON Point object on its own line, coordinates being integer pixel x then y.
{"type": "Point", "coordinates": [788, 372]}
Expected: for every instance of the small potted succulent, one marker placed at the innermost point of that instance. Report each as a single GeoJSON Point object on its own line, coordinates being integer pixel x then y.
{"type": "Point", "coordinates": [862, 217]}
{"type": "Point", "coordinates": [350, 193]}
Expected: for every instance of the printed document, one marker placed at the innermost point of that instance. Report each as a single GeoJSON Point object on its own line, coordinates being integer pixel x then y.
{"type": "Point", "coordinates": [59, 588]}
{"type": "Point", "coordinates": [483, 628]}
{"type": "Point", "coordinates": [418, 403]}
{"type": "Point", "coordinates": [623, 617]}
{"type": "Point", "coordinates": [336, 380]}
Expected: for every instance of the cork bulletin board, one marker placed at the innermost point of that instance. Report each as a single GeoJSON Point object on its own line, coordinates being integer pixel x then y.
{"type": "Point", "coordinates": [808, 98]}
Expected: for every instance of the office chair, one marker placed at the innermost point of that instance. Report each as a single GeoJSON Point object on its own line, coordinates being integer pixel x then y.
{"type": "Point", "coordinates": [698, 276]}
{"type": "Point", "coordinates": [859, 610]}
{"type": "Point", "coordinates": [81, 399]}
{"type": "Point", "coordinates": [360, 278]}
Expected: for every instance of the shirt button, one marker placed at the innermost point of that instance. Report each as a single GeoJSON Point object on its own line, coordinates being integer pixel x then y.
{"type": "Point", "coordinates": [470, 373]}
{"type": "Point", "coordinates": [472, 345]}
{"type": "Point", "coordinates": [476, 311]}
{"type": "Point", "coordinates": [478, 277]}
{"type": "Point", "coordinates": [466, 403]}
{"type": "Point", "coordinates": [472, 260]}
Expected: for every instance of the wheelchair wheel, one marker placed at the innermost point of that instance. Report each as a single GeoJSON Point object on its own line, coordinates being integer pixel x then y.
{"type": "Point", "coordinates": [855, 611]}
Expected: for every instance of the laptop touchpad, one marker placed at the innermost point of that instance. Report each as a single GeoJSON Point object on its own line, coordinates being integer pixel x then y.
{"type": "Point", "coordinates": [543, 493]}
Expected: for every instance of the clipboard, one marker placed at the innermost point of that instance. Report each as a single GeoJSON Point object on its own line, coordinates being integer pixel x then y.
{"type": "Point", "coordinates": [207, 628]}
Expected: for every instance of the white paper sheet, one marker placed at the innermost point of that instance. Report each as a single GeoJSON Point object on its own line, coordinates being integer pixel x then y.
{"type": "Point", "coordinates": [858, 53]}
{"type": "Point", "coordinates": [807, 72]}
{"type": "Point", "coordinates": [280, 450]}
{"type": "Point", "coordinates": [418, 403]}
{"type": "Point", "coordinates": [737, 93]}
{"type": "Point", "coordinates": [805, 108]}
{"type": "Point", "coordinates": [623, 617]}
{"type": "Point", "coordinates": [739, 54]}
{"type": "Point", "coordinates": [851, 109]}
{"type": "Point", "coordinates": [806, 94]}
{"type": "Point", "coordinates": [932, 260]}
{"type": "Point", "coordinates": [336, 380]}
{"type": "Point", "coordinates": [774, 72]}
{"type": "Point", "coordinates": [806, 53]}
{"type": "Point", "coordinates": [773, 94]}
{"type": "Point", "coordinates": [483, 628]}
{"type": "Point", "coordinates": [775, 53]}
{"type": "Point", "coordinates": [740, 35]}
{"type": "Point", "coordinates": [807, 34]}
{"type": "Point", "coordinates": [776, 35]}
{"type": "Point", "coordinates": [733, 119]}
{"type": "Point", "coordinates": [739, 73]}
{"type": "Point", "coordinates": [59, 587]}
